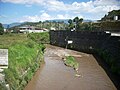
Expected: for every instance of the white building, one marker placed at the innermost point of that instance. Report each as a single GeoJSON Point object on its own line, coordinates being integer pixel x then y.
{"type": "Point", "coordinates": [5, 30]}
{"type": "Point", "coordinates": [31, 29]}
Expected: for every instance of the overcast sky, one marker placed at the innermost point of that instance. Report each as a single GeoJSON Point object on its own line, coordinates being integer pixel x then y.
{"type": "Point", "coordinates": [40, 10]}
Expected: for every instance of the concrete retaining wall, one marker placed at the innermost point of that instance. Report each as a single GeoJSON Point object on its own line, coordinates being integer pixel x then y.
{"type": "Point", "coordinates": [82, 40]}
{"type": "Point", "coordinates": [90, 41]}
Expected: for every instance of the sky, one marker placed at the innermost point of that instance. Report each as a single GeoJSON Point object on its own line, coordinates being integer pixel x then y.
{"type": "Point", "coordinates": [39, 10]}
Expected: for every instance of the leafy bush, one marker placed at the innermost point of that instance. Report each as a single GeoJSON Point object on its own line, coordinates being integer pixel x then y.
{"type": "Point", "coordinates": [70, 61]}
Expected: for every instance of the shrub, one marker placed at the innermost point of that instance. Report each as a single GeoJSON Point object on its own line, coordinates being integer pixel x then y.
{"type": "Point", "coordinates": [70, 61]}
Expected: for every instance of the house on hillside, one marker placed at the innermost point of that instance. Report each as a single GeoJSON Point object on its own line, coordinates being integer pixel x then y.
{"type": "Point", "coordinates": [31, 29]}
{"type": "Point", "coordinates": [117, 17]}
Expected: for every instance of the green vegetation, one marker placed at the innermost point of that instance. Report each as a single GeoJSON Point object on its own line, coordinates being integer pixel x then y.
{"type": "Point", "coordinates": [108, 25]}
{"type": "Point", "coordinates": [108, 22]}
{"type": "Point", "coordinates": [75, 23]}
{"type": "Point", "coordinates": [25, 57]}
{"type": "Point", "coordinates": [2, 86]}
{"type": "Point", "coordinates": [111, 15]}
{"type": "Point", "coordinates": [78, 24]}
{"type": "Point", "coordinates": [57, 25]}
{"type": "Point", "coordinates": [71, 24]}
{"type": "Point", "coordinates": [112, 62]}
{"type": "Point", "coordinates": [40, 37]}
{"type": "Point", "coordinates": [70, 61]}
{"type": "Point", "coordinates": [1, 29]}
{"type": "Point", "coordinates": [8, 40]}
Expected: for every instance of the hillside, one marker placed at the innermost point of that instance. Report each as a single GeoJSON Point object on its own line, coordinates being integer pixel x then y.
{"type": "Point", "coordinates": [111, 15]}
{"type": "Point", "coordinates": [11, 25]}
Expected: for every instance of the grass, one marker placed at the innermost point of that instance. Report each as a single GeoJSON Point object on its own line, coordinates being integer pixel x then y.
{"type": "Point", "coordinates": [70, 61]}
{"type": "Point", "coordinates": [111, 61]}
{"type": "Point", "coordinates": [2, 86]}
{"type": "Point", "coordinates": [25, 56]}
{"type": "Point", "coordinates": [8, 40]}
{"type": "Point", "coordinates": [40, 37]}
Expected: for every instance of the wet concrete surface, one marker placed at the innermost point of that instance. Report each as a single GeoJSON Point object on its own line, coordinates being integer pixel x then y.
{"type": "Point", "coordinates": [54, 75]}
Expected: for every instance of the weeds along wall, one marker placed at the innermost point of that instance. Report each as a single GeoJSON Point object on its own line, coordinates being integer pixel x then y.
{"type": "Point", "coordinates": [107, 46]}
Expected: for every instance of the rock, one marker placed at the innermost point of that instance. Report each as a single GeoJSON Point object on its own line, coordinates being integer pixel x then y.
{"type": "Point", "coordinates": [63, 59]}
{"type": "Point", "coordinates": [66, 54]}
{"type": "Point", "coordinates": [77, 75]}
{"type": "Point", "coordinates": [77, 55]}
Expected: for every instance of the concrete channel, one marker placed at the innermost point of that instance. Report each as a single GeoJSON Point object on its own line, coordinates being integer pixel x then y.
{"type": "Point", "coordinates": [54, 75]}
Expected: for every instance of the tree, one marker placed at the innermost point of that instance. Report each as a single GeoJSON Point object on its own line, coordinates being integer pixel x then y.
{"type": "Point", "coordinates": [40, 21]}
{"type": "Point", "coordinates": [1, 29]}
{"type": "Point", "coordinates": [70, 21]}
{"type": "Point", "coordinates": [77, 22]}
{"type": "Point", "coordinates": [81, 20]}
{"type": "Point", "coordinates": [71, 25]}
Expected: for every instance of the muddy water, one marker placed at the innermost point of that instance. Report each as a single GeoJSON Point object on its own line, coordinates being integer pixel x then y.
{"type": "Point", "coordinates": [54, 75]}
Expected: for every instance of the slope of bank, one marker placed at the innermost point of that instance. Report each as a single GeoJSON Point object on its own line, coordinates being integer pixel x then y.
{"type": "Point", "coordinates": [25, 57]}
